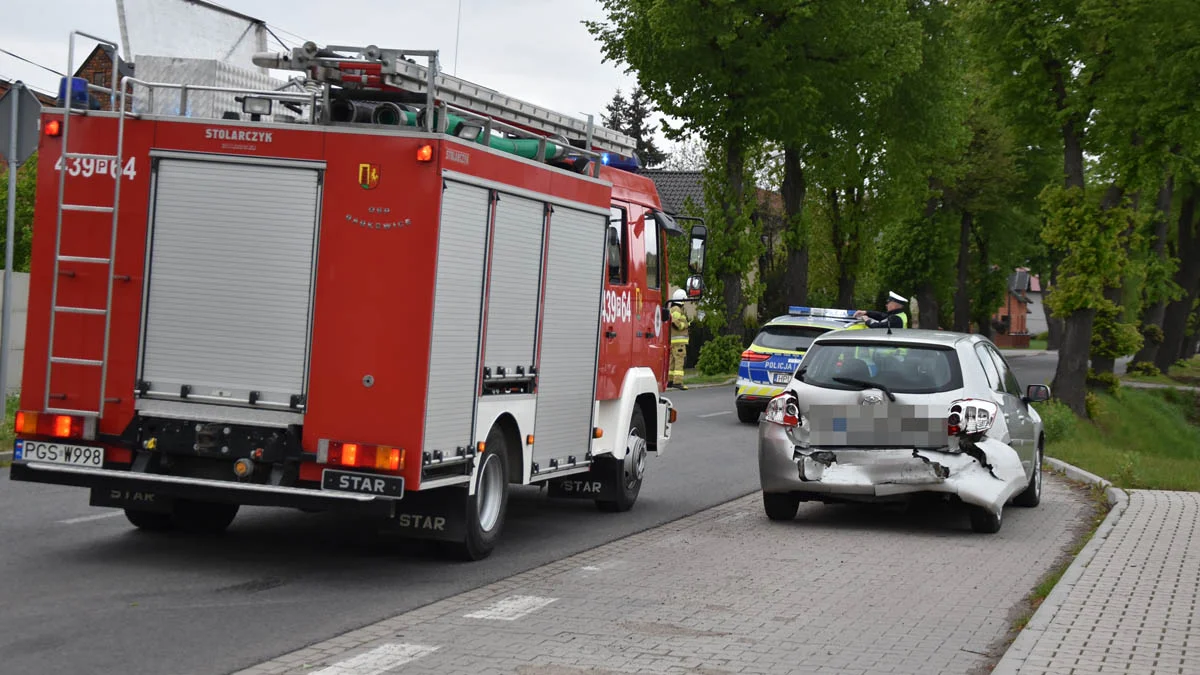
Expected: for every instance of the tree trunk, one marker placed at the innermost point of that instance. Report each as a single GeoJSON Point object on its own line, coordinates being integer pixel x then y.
{"type": "Point", "coordinates": [1188, 277]}
{"type": "Point", "coordinates": [735, 169]}
{"type": "Point", "coordinates": [962, 294]}
{"type": "Point", "coordinates": [1070, 377]}
{"type": "Point", "coordinates": [1156, 313]}
{"type": "Point", "coordinates": [1114, 294]}
{"type": "Point", "coordinates": [794, 189]}
{"type": "Point", "coordinates": [1192, 343]}
{"type": "Point", "coordinates": [1054, 325]}
{"type": "Point", "coordinates": [927, 300]}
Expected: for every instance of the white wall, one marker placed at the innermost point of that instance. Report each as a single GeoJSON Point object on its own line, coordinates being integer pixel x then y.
{"type": "Point", "coordinates": [16, 336]}
{"type": "Point", "coordinates": [1035, 322]}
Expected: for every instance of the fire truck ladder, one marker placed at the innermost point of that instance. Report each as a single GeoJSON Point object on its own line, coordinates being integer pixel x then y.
{"type": "Point", "coordinates": [374, 68]}
{"type": "Point", "coordinates": [115, 160]}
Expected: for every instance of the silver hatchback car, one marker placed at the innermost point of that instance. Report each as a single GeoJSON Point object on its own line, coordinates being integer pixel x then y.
{"type": "Point", "coordinates": [881, 416]}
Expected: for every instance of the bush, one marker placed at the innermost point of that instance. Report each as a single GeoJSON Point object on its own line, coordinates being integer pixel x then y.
{"type": "Point", "coordinates": [1108, 382]}
{"type": "Point", "coordinates": [1044, 336]}
{"type": "Point", "coordinates": [720, 355]}
{"type": "Point", "coordinates": [1152, 334]}
{"type": "Point", "coordinates": [1092, 405]}
{"type": "Point", "coordinates": [1058, 422]}
{"type": "Point", "coordinates": [1143, 368]}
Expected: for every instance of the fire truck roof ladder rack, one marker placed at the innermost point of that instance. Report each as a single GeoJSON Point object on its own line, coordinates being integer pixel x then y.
{"type": "Point", "coordinates": [374, 68]}
{"type": "Point", "coordinates": [117, 100]}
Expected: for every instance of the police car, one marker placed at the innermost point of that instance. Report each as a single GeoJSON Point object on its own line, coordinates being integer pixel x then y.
{"type": "Point", "coordinates": [767, 366]}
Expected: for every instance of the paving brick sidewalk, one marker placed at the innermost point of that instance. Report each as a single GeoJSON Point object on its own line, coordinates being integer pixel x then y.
{"type": "Point", "coordinates": [843, 589]}
{"type": "Point", "coordinates": [1135, 607]}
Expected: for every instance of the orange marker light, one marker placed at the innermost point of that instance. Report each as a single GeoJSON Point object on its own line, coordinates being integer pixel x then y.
{"type": "Point", "coordinates": [62, 426]}
{"type": "Point", "coordinates": [26, 422]}
{"type": "Point", "coordinates": [425, 153]}
{"type": "Point", "coordinates": [395, 459]}
{"type": "Point", "coordinates": [53, 128]}
{"type": "Point", "coordinates": [529, 439]}
{"type": "Point", "coordinates": [349, 454]}
{"type": "Point", "coordinates": [597, 433]}
{"type": "Point", "coordinates": [480, 446]}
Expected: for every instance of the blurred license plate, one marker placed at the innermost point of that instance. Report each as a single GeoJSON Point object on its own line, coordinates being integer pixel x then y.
{"type": "Point", "coordinates": [781, 378]}
{"type": "Point", "coordinates": [57, 453]}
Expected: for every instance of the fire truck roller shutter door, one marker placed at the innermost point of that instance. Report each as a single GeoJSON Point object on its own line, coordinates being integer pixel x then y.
{"type": "Point", "coordinates": [570, 334]}
{"type": "Point", "coordinates": [232, 245]}
{"type": "Point", "coordinates": [514, 284]}
{"type": "Point", "coordinates": [458, 302]}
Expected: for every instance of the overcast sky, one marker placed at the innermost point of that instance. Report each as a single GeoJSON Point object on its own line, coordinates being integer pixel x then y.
{"type": "Point", "coordinates": [536, 50]}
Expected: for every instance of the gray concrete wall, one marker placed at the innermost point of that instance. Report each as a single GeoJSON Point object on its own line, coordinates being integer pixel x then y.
{"type": "Point", "coordinates": [16, 347]}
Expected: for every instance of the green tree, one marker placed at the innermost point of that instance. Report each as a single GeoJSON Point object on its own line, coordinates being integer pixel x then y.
{"type": "Point", "coordinates": [26, 195]}
{"type": "Point", "coordinates": [631, 116]}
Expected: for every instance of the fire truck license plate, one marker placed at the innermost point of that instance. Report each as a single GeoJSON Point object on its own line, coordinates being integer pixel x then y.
{"type": "Point", "coordinates": [363, 483]}
{"type": "Point", "coordinates": [57, 453]}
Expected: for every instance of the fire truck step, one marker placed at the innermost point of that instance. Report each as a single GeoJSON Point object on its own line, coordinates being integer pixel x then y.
{"type": "Point", "coordinates": [88, 155]}
{"type": "Point", "coordinates": [76, 362]}
{"type": "Point", "coordinates": [82, 259]}
{"type": "Point", "coordinates": [87, 208]}
{"type": "Point", "coordinates": [69, 411]}
{"type": "Point", "coordinates": [81, 310]}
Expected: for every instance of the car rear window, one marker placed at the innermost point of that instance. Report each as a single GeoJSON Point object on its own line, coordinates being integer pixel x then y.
{"type": "Point", "coordinates": [793, 338]}
{"type": "Point", "coordinates": [902, 368]}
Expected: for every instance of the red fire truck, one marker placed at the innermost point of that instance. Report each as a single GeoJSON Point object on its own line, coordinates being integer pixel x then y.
{"type": "Point", "coordinates": [380, 289]}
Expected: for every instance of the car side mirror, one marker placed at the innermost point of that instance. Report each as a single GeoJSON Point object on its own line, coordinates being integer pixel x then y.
{"type": "Point", "coordinates": [1036, 393]}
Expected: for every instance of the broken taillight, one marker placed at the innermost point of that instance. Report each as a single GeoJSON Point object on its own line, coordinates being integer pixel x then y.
{"type": "Point", "coordinates": [971, 416]}
{"type": "Point", "coordinates": [784, 410]}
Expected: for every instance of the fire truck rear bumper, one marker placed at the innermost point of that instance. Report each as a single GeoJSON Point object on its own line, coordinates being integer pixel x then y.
{"type": "Point", "coordinates": [136, 489]}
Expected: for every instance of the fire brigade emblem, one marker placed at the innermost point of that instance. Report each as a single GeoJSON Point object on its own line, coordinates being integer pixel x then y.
{"type": "Point", "coordinates": [368, 176]}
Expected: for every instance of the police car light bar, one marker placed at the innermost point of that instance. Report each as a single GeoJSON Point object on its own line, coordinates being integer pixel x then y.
{"type": "Point", "coordinates": [822, 311]}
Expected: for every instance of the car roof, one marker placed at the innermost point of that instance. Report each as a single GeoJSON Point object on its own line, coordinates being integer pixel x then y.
{"type": "Point", "coordinates": [943, 338]}
{"type": "Point", "coordinates": [809, 321]}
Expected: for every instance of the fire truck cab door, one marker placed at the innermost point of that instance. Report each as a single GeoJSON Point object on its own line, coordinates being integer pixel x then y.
{"type": "Point", "coordinates": [617, 344]}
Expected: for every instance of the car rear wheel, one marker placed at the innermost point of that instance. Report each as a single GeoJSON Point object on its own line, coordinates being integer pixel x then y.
{"type": "Point", "coordinates": [748, 414]}
{"type": "Point", "coordinates": [1032, 496]}
{"type": "Point", "coordinates": [984, 521]}
{"type": "Point", "coordinates": [780, 506]}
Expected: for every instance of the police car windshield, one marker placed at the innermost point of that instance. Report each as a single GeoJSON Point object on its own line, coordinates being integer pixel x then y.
{"type": "Point", "coordinates": [901, 368]}
{"type": "Point", "coordinates": [791, 338]}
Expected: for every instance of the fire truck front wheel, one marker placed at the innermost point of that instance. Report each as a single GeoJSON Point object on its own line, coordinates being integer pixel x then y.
{"type": "Point", "coordinates": [625, 473]}
{"type": "Point", "coordinates": [486, 508]}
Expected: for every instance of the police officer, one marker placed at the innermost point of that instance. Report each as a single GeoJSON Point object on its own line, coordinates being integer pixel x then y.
{"type": "Point", "coordinates": [894, 317]}
{"type": "Point", "coordinates": [679, 339]}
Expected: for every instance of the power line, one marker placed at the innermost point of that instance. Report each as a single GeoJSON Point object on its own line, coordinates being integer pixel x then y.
{"type": "Point", "coordinates": [39, 90]}
{"type": "Point", "coordinates": [32, 63]}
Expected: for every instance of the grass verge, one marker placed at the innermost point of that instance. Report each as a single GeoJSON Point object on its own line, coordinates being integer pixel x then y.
{"type": "Point", "coordinates": [693, 377]}
{"type": "Point", "coordinates": [6, 428]}
{"type": "Point", "coordinates": [1137, 438]}
{"type": "Point", "coordinates": [1186, 373]}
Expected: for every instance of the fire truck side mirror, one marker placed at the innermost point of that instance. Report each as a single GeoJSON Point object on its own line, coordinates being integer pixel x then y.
{"type": "Point", "coordinates": [697, 253]}
{"type": "Point", "coordinates": [695, 287]}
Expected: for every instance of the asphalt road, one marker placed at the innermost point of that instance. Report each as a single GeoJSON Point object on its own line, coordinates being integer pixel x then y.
{"type": "Point", "coordinates": [82, 591]}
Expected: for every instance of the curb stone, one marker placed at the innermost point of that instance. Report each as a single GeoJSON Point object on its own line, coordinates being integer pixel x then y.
{"type": "Point", "coordinates": [1016, 654]}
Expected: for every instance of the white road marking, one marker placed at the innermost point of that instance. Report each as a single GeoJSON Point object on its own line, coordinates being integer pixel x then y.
{"type": "Point", "coordinates": [88, 519]}
{"type": "Point", "coordinates": [378, 660]}
{"type": "Point", "coordinates": [591, 568]}
{"type": "Point", "coordinates": [723, 412]}
{"type": "Point", "coordinates": [511, 608]}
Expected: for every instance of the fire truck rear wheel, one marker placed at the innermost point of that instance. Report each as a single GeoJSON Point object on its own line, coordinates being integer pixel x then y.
{"type": "Point", "coordinates": [149, 520]}
{"type": "Point", "coordinates": [625, 473]}
{"type": "Point", "coordinates": [486, 508]}
{"type": "Point", "coordinates": [203, 517]}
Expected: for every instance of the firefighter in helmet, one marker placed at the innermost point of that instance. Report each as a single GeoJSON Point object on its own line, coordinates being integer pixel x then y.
{"type": "Point", "coordinates": [679, 339]}
{"type": "Point", "coordinates": [894, 317]}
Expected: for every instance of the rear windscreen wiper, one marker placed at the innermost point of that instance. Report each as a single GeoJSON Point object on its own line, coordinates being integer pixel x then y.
{"type": "Point", "coordinates": [867, 385]}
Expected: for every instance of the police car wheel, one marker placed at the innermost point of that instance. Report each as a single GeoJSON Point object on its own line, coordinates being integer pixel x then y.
{"type": "Point", "coordinates": [748, 414]}
{"type": "Point", "coordinates": [780, 505]}
{"type": "Point", "coordinates": [626, 473]}
{"type": "Point", "coordinates": [149, 520]}
{"type": "Point", "coordinates": [203, 517]}
{"type": "Point", "coordinates": [486, 508]}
